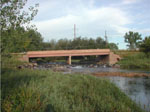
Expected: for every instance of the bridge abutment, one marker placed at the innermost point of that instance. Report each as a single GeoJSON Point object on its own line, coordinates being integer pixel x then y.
{"type": "Point", "coordinates": [69, 60]}
{"type": "Point", "coordinates": [113, 58]}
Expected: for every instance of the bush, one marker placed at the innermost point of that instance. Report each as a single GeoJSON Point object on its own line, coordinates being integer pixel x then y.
{"type": "Point", "coordinates": [145, 46]}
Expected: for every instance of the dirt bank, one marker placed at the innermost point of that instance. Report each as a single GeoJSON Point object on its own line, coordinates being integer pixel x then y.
{"type": "Point", "coordinates": [121, 74]}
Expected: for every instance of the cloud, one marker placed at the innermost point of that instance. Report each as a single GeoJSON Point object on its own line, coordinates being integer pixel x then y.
{"type": "Point", "coordinates": [130, 1]}
{"type": "Point", "coordinates": [90, 23]}
{"type": "Point", "coordinates": [56, 18]}
{"type": "Point", "coordinates": [144, 32]}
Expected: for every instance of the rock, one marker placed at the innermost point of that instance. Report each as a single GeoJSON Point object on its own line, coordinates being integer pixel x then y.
{"type": "Point", "coordinates": [91, 66]}
{"type": "Point", "coordinates": [35, 64]}
{"type": "Point", "coordinates": [95, 66]}
{"type": "Point", "coordinates": [116, 66]}
{"type": "Point", "coordinates": [20, 67]}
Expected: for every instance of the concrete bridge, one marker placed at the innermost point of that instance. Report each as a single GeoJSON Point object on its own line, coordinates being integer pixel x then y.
{"type": "Point", "coordinates": [105, 55]}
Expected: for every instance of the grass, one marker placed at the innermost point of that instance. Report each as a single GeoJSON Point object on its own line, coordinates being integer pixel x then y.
{"type": "Point", "coordinates": [125, 53]}
{"type": "Point", "coordinates": [10, 61]}
{"type": "Point", "coordinates": [135, 61]}
{"type": "Point", "coordinates": [28, 90]}
{"type": "Point", "coordinates": [46, 91]}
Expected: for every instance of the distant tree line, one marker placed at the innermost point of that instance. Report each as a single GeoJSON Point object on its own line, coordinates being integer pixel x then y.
{"type": "Point", "coordinates": [79, 43]}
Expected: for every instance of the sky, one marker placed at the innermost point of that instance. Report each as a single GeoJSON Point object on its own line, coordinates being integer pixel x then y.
{"type": "Point", "coordinates": [56, 18]}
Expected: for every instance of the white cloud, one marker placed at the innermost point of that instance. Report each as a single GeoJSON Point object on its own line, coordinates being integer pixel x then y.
{"type": "Point", "coordinates": [130, 1]}
{"type": "Point", "coordinates": [144, 32]}
{"type": "Point", "coordinates": [89, 23]}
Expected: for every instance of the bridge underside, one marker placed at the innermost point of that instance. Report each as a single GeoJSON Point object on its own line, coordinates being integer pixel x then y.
{"type": "Point", "coordinates": [105, 55]}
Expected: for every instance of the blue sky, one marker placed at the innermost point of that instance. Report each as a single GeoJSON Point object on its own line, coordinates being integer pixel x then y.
{"type": "Point", "coordinates": [56, 18]}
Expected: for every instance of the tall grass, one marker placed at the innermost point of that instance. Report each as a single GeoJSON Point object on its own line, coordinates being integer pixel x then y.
{"type": "Point", "coordinates": [10, 61]}
{"type": "Point", "coordinates": [46, 91]}
{"type": "Point", "coordinates": [125, 53]}
{"type": "Point", "coordinates": [135, 61]}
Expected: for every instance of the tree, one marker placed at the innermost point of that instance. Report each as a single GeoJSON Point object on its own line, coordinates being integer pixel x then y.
{"type": "Point", "coordinates": [145, 46]}
{"type": "Point", "coordinates": [13, 15]}
{"type": "Point", "coordinates": [15, 24]}
{"type": "Point", "coordinates": [34, 40]}
{"type": "Point", "coordinates": [100, 43]}
{"type": "Point", "coordinates": [133, 40]}
{"type": "Point", "coordinates": [113, 46]}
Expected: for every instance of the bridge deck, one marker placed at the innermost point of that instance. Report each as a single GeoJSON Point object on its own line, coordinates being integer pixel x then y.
{"type": "Point", "coordinates": [87, 52]}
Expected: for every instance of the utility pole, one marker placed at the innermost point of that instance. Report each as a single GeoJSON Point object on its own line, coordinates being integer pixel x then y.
{"type": "Point", "coordinates": [106, 39]}
{"type": "Point", "coordinates": [74, 31]}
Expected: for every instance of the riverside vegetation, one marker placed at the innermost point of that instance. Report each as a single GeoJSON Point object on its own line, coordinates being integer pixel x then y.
{"type": "Point", "coordinates": [28, 90]}
{"type": "Point", "coordinates": [134, 60]}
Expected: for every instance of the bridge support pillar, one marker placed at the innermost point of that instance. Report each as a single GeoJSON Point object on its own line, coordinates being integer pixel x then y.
{"type": "Point", "coordinates": [69, 60]}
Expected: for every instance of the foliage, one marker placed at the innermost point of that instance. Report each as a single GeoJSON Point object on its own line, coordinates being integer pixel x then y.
{"type": "Point", "coordinates": [113, 46]}
{"type": "Point", "coordinates": [21, 40]}
{"type": "Point", "coordinates": [46, 91]}
{"type": "Point", "coordinates": [79, 43]}
{"type": "Point", "coordinates": [34, 41]}
{"type": "Point", "coordinates": [145, 46]}
{"type": "Point", "coordinates": [10, 61]}
{"type": "Point", "coordinates": [13, 15]}
{"type": "Point", "coordinates": [132, 38]}
{"type": "Point", "coordinates": [15, 26]}
{"type": "Point", "coordinates": [135, 61]}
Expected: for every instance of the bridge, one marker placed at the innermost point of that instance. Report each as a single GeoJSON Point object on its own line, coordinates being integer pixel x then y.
{"type": "Point", "coordinates": [105, 55]}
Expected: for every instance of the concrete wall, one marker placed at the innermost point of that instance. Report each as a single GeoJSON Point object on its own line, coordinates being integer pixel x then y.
{"type": "Point", "coordinates": [109, 59]}
{"type": "Point", "coordinates": [113, 58]}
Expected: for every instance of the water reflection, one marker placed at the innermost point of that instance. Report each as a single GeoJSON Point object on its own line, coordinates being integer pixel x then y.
{"type": "Point", "coordinates": [85, 69]}
{"type": "Point", "coordinates": [138, 89]}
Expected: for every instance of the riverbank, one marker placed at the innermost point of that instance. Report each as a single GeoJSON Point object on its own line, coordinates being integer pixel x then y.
{"type": "Point", "coordinates": [44, 90]}
{"type": "Point", "coordinates": [121, 74]}
{"type": "Point", "coordinates": [134, 60]}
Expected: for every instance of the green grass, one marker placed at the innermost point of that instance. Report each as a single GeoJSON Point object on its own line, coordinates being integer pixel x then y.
{"type": "Point", "coordinates": [46, 91]}
{"type": "Point", "coordinates": [10, 61]}
{"type": "Point", "coordinates": [125, 53]}
{"type": "Point", "coordinates": [135, 61]}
